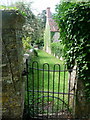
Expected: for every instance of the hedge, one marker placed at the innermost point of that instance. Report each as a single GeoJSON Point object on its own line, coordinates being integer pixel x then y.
{"type": "Point", "coordinates": [74, 22]}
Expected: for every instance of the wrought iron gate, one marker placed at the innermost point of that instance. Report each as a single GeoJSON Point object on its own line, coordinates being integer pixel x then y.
{"type": "Point", "coordinates": [50, 91]}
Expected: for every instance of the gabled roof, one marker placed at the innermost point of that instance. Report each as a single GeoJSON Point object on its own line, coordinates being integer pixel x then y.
{"type": "Point", "coordinates": [52, 23]}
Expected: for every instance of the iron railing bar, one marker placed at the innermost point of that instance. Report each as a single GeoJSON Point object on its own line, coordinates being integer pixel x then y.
{"type": "Point", "coordinates": [48, 91]}
{"type": "Point", "coordinates": [53, 88]}
{"type": "Point", "coordinates": [37, 86]}
{"type": "Point", "coordinates": [69, 89]}
{"type": "Point", "coordinates": [68, 70]}
{"type": "Point", "coordinates": [58, 88]}
{"type": "Point", "coordinates": [64, 86]}
{"type": "Point", "coordinates": [33, 86]}
{"type": "Point", "coordinates": [43, 93]}
{"type": "Point", "coordinates": [51, 92]}
{"type": "Point", "coordinates": [27, 84]}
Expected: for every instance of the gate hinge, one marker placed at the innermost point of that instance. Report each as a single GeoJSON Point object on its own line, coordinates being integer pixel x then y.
{"type": "Point", "coordinates": [24, 72]}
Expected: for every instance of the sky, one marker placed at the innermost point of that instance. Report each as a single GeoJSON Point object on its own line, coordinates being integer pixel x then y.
{"type": "Point", "coordinates": [37, 5]}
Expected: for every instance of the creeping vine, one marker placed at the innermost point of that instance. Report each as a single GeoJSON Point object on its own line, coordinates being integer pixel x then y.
{"type": "Point", "coordinates": [74, 23]}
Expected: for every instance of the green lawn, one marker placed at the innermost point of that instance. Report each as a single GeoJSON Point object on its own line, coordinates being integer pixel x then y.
{"type": "Point", "coordinates": [47, 81]}
{"type": "Point", "coordinates": [44, 57]}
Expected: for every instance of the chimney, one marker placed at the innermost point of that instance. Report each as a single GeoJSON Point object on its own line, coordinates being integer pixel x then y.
{"type": "Point", "coordinates": [48, 13]}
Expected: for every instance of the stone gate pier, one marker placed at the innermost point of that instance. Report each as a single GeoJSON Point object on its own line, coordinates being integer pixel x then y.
{"type": "Point", "coordinates": [12, 65]}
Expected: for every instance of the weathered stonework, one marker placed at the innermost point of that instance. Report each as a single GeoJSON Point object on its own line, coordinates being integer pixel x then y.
{"type": "Point", "coordinates": [12, 65]}
{"type": "Point", "coordinates": [82, 109]}
{"type": "Point", "coordinates": [0, 65]}
{"type": "Point", "coordinates": [72, 82]}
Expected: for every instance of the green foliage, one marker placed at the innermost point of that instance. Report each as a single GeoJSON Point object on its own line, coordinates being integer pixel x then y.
{"type": "Point", "coordinates": [26, 43]}
{"type": "Point", "coordinates": [74, 1]}
{"type": "Point", "coordinates": [74, 22]}
{"type": "Point", "coordinates": [57, 49]}
{"type": "Point", "coordinates": [33, 25]}
{"type": "Point", "coordinates": [42, 16]}
{"type": "Point", "coordinates": [2, 7]}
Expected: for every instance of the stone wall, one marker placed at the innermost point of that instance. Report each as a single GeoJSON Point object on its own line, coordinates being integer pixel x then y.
{"type": "Point", "coordinates": [81, 108]}
{"type": "Point", "coordinates": [72, 82]}
{"type": "Point", "coordinates": [0, 65]}
{"type": "Point", "coordinates": [12, 65]}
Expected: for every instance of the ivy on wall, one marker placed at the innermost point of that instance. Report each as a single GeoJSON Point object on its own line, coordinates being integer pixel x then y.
{"type": "Point", "coordinates": [74, 22]}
